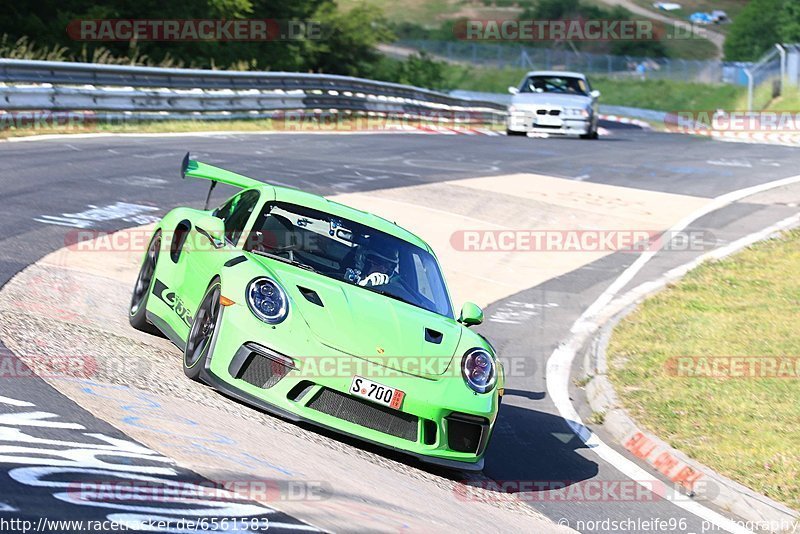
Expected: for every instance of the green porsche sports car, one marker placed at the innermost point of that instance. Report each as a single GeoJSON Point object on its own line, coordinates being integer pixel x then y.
{"type": "Point", "coordinates": [318, 312]}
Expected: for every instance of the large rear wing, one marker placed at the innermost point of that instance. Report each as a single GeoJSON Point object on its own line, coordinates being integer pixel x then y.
{"type": "Point", "coordinates": [196, 169]}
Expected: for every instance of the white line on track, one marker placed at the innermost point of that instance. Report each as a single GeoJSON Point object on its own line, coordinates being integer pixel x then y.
{"type": "Point", "coordinates": [39, 419]}
{"type": "Point", "coordinates": [5, 507]}
{"type": "Point", "coordinates": [15, 402]}
{"type": "Point", "coordinates": [560, 362]}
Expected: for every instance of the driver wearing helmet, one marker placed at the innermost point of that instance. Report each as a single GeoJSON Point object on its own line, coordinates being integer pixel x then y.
{"type": "Point", "coordinates": [380, 260]}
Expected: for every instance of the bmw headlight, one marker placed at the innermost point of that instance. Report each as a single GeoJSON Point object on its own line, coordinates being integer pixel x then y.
{"type": "Point", "coordinates": [577, 112]}
{"type": "Point", "coordinates": [479, 370]}
{"type": "Point", "coordinates": [267, 300]}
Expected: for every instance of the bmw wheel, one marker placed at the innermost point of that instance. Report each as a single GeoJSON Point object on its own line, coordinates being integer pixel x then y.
{"type": "Point", "coordinates": [592, 133]}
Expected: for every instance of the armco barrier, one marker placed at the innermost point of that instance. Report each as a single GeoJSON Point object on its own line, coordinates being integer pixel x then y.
{"type": "Point", "coordinates": [64, 86]}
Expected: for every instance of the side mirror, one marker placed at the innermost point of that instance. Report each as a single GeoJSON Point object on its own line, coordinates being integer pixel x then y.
{"type": "Point", "coordinates": [471, 314]}
{"type": "Point", "coordinates": [213, 228]}
{"type": "Point", "coordinates": [595, 94]}
{"type": "Point", "coordinates": [513, 90]}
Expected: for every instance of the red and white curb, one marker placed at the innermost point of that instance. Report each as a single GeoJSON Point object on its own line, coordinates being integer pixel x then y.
{"type": "Point", "coordinates": [443, 130]}
{"type": "Point", "coordinates": [626, 120]}
{"type": "Point", "coordinates": [791, 138]}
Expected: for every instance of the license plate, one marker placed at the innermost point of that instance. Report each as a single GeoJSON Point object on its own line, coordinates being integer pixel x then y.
{"type": "Point", "coordinates": [546, 120]}
{"type": "Point", "coordinates": [367, 389]}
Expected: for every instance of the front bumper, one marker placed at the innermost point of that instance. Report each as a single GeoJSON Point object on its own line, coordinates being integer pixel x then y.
{"type": "Point", "coordinates": [441, 421]}
{"type": "Point", "coordinates": [531, 122]}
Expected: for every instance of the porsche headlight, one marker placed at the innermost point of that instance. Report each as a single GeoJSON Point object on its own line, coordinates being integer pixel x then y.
{"type": "Point", "coordinates": [479, 370]}
{"type": "Point", "coordinates": [267, 300]}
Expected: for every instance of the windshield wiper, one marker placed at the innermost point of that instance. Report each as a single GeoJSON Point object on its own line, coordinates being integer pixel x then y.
{"type": "Point", "coordinates": [284, 260]}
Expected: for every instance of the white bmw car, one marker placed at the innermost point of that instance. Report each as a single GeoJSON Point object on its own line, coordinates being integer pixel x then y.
{"type": "Point", "coordinates": [553, 102]}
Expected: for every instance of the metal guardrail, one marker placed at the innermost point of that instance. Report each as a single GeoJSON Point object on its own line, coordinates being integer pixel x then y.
{"type": "Point", "coordinates": [63, 86]}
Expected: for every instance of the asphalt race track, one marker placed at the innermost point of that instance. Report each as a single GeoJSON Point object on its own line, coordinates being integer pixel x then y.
{"type": "Point", "coordinates": [43, 182]}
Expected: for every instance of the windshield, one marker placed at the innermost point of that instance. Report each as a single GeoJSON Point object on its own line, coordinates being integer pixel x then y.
{"type": "Point", "coordinates": [351, 252]}
{"type": "Point", "coordinates": [555, 84]}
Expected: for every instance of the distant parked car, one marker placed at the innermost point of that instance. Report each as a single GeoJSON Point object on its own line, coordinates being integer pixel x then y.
{"type": "Point", "coordinates": [553, 102]}
{"type": "Point", "coordinates": [667, 6]}
{"type": "Point", "coordinates": [700, 18]}
{"type": "Point", "coordinates": [719, 17]}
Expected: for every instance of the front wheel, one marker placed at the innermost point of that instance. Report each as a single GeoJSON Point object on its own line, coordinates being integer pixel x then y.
{"type": "Point", "coordinates": [592, 134]}
{"type": "Point", "coordinates": [514, 132]}
{"type": "Point", "coordinates": [141, 291]}
{"type": "Point", "coordinates": [198, 345]}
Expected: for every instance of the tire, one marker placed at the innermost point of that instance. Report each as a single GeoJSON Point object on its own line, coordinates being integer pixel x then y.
{"type": "Point", "coordinates": [511, 133]}
{"type": "Point", "coordinates": [137, 312]}
{"type": "Point", "coordinates": [592, 133]}
{"type": "Point", "coordinates": [201, 335]}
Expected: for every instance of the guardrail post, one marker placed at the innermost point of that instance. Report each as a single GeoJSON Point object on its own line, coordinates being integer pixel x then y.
{"type": "Point", "coordinates": [749, 89]}
{"type": "Point", "coordinates": [782, 52]}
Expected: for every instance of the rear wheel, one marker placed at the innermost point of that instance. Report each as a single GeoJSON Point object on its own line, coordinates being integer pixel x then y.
{"type": "Point", "coordinates": [141, 291]}
{"type": "Point", "coordinates": [198, 345]}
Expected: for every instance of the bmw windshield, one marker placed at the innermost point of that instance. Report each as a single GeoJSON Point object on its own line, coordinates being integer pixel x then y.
{"type": "Point", "coordinates": [567, 85]}
{"type": "Point", "coordinates": [351, 252]}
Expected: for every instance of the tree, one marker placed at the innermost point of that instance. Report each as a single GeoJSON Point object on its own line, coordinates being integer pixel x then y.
{"type": "Point", "coordinates": [422, 71]}
{"type": "Point", "coordinates": [755, 30]}
{"type": "Point", "coordinates": [790, 26]}
{"type": "Point", "coordinates": [346, 44]}
{"type": "Point", "coordinates": [350, 39]}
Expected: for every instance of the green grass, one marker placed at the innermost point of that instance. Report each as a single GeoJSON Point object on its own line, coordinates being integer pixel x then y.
{"type": "Point", "coordinates": [788, 101]}
{"type": "Point", "coordinates": [697, 48]}
{"type": "Point", "coordinates": [425, 12]}
{"type": "Point", "coordinates": [668, 95]}
{"type": "Point", "coordinates": [745, 428]}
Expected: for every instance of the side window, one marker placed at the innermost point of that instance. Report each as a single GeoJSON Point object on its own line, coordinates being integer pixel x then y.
{"type": "Point", "coordinates": [236, 212]}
